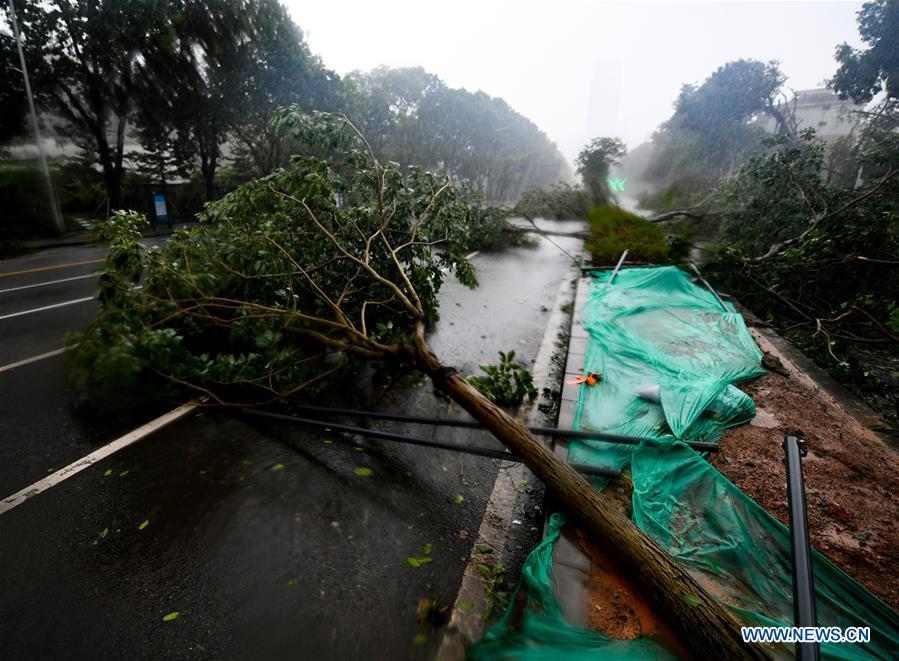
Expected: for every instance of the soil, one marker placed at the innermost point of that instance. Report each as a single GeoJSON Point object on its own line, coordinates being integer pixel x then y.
{"type": "Point", "coordinates": [851, 475]}
{"type": "Point", "coordinates": [615, 606]}
{"type": "Point", "coordinates": [852, 489]}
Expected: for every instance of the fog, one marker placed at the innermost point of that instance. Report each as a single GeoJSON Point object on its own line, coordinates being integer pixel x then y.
{"type": "Point", "coordinates": [580, 69]}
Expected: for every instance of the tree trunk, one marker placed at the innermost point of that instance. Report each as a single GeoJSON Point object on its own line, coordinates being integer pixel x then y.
{"type": "Point", "coordinates": [703, 624]}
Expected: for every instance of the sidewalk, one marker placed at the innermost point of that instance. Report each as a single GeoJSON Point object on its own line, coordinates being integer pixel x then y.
{"type": "Point", "coordinates": [82, 237]}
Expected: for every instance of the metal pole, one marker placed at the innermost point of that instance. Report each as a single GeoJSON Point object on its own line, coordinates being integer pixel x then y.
{"type": "Point", "coordinates": [541, 431]}
{"type": "Point", "coordinates": [803, 577]}
{"type": "Point", "coordinates": [593, 471]}
{"type": "Point", "coordinates": [709, 287]}
{"type": "Point", "coordinates": [617, 266]}
{"type": "Point", "coordinates": [57, 216]}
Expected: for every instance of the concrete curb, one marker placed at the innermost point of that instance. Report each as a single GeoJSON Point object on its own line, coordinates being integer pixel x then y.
{"type": "Point", "coordinates": [466, 625]}
{"type": "Point", "coordinates": [571, 567]}
{"type": "Point", "coordinates": [817, 378]}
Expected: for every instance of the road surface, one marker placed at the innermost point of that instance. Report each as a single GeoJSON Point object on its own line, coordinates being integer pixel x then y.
{"type": "Point", "coordinates": [258, 534]}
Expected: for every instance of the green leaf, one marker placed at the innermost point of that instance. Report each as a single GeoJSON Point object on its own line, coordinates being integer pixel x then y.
{"type": "Point", "coordinates": [124, 473]}
{"type": "Point", "coordinates": [428, 548]}
{"type": "Point", "coordinates": [362, 471]}
{"type": "Point", "coordinates": [144, 524]}
{"type": "Point", "coordinates": [458, 499]}
{"type": "Point", "coordinates": [464, 606]}
{"type": "Point", "coordinates": [483, 548]}
{"type": "Point", "coordinates": [108, 472]}
{"type": "Point", "coordinates": [278, 467]}
{"type": "Point", "coordinates": [417, 562]}
{"type": "Point", "coordinates": [291, 582]}
{"type": "Point", "coordinates": [421, 639]}
{"type": "Point", "coordinates": [171, 616]}
{"type": "Point", "coordinates": [691, 600]}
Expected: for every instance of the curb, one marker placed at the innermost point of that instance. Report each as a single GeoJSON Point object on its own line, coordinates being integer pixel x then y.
{"type": "Point", "coordinates": [466, 625]}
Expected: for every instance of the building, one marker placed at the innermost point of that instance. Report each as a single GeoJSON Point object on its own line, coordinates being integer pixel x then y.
{"type": "Point", "coordinates": [820, 109]}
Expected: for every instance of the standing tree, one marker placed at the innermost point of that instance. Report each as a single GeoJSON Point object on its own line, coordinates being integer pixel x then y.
{"type": "Point", "coordinates": [327, 262]}
{"type": "Point", "coordinates": [594, 164]}
{"type": "Point", "coordinates": [13, 108]}
{"type": "Point", "coordinates": [87, 59]}
{"type": "Point", "coordinates": [864, 74]}
{"type": "Point", "coordinates": [711, 131]}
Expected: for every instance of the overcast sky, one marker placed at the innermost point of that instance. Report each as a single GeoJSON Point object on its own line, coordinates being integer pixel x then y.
{"type": "Point", "coordinates": [579, 69]}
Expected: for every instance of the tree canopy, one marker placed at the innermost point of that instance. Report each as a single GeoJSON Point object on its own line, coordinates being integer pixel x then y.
{"type": "Point", "coordinates": [594, 163]}
{"type": "Point", "coordinates": [863, 74]}
{"type": "Point", "coordinates": [412, 116]}
{"type": "Point", "coordinates": [710, 132]}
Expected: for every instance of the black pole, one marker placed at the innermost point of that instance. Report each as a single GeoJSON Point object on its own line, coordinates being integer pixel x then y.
{"type": "Point", "coordinates": [466, 424]}
{"type": "Point", "coordinates": [709, 287]}
{"type": "Point", "coordinates": [803, 578]}
{"type": "Point", "coordinates": [593, 471]}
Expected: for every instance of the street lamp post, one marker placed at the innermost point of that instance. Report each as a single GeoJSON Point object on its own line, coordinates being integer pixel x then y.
{"type": "Point", "coordinates": [57, 216]}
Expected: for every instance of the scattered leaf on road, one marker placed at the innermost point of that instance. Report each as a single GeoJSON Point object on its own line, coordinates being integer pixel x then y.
{"type": "Point", "coordinates": [144, 524]}
{"type": "Point", "coordinates": [465, 605]}
{"type": "Point", "coordinates": [124, 473]}
{"type": "Point", "coordinates": [691, 600]}
{"type": "Point", "coordinates": [417, 562]}
{"type": "Point", "coordinates": [428, 548]}
{"type": "Point", "coordinates": [278, 467]}
{"type": "Point", "coordinates": [108, 472]}
{"type": "Point", "coordinates": [483, 548]}
{"type": "Point", "coordinates": [291, 582]}
{"type": "Point", "coordinates": [362, 471]}
{"type": "Point", "coordinates": [171, 616]}
{"type": "Point", "coordinates": [459, 499]}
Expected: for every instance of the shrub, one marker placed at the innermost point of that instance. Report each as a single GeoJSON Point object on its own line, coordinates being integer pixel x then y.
{"type": "Point", "coordinates": [615, 230]}
{"type": "Point", "coordinates": [507, 383]}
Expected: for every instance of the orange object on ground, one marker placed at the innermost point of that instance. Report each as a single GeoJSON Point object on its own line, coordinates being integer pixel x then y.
{"type": "Point", "coordinates": [591, 379]}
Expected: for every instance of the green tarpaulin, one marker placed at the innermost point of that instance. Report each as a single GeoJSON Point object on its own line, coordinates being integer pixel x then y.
{"type": "Point", "coordinates": [669, 355]}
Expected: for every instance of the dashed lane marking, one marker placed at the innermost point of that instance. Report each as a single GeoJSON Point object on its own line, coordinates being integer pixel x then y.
{"type": "Point", "coordinates": [85, 462]}
{"type": "Point", "coordinates": [32, 359]}
{"type": "Point", "coordinates": [51, 282]}
{"type": "Point", "coordinates": [46, 307]}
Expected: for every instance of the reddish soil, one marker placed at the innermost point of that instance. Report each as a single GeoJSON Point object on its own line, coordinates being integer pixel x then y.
{"type": "Point", "coordinates": [615, 606]}
{"type": "Point", "coordinates": [851, 476]}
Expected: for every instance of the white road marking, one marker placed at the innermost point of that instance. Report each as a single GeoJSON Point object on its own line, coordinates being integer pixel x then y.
{"type": "Point", "coordinates": [85, 462]}
{"type": "Point", "coordinates": [33, 359]}
{"type": "Point", "coordinates": [46, 307]}
{"type": "Point", "coordinates": [51, 282]}
{"type": "Point", "coordinates": [56, 305]}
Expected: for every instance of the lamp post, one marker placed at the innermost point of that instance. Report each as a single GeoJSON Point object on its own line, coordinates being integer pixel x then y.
{"type": "Point", "coordinates": [42, 157]}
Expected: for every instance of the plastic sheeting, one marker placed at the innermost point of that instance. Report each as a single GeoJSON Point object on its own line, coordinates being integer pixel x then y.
{"type": "Point", "coordinates": [669, 355]}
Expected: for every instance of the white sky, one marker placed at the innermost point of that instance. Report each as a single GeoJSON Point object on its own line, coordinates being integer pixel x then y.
{"type": "Point", "coordinates": [579, 69]}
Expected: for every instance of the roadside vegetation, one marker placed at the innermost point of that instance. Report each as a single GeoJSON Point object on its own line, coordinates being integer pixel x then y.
{"type": "Point", "coordinates": [177, 98]}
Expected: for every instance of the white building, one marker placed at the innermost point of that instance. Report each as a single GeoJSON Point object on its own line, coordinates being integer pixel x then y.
{"type": "Point", "coordinates": [820, 109]}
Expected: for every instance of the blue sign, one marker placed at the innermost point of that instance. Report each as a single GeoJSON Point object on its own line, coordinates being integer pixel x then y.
{"type": "Point", "coordinates": [159, 207]}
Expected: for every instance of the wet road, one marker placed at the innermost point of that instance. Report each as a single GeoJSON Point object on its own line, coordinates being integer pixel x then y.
{"type": "Point", "coordinates": [259, 534]}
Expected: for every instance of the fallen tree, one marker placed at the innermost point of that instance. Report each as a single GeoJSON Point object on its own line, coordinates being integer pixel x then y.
{"type": "Point", "coordinates": [298, 275]}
